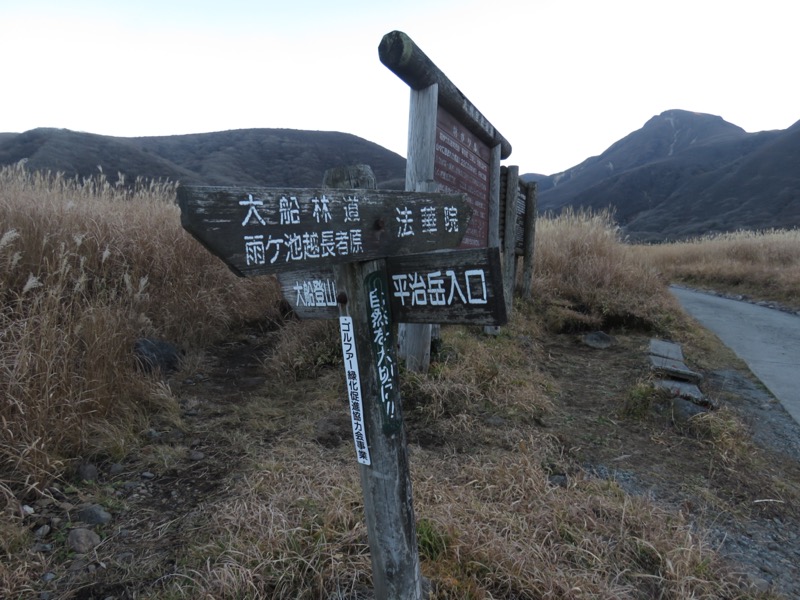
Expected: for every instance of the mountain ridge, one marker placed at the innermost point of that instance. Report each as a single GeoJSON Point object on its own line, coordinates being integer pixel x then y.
{"type": "Point", "coordinates": [269, 157]}
{"type": "Point", "coordinates": [682, 174]}
{"type": "Point", "coordinates": [685, 174]}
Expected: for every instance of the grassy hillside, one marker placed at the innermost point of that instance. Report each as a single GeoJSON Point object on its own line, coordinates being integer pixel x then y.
{"type": "Point", "coordinates": [760, 265]}
{"type": "Point", "coordinates": [251, 489]}
{"type": "Point", "coordinates": [86, 269]}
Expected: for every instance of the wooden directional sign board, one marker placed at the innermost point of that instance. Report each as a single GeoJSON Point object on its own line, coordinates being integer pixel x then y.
{"type": "Point", "coordinates": [257, 230]}
{"type": "Point", "coordinates": [454, 286]}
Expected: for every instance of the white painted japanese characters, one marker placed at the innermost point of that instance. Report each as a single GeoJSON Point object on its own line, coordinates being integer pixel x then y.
{"type": "Point", "coordinates": [380, 328]}
{"type": "Point", "coordinates": [353, 383]}
{"type": "Point", "coordinates": [301, 244]}
{"type": "Point", "coordinates": [264, 230]}
{"type": "Point", "coordinates": [440, 287]}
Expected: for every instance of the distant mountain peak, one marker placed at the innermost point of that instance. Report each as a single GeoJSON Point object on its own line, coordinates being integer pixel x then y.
{"type": "Point", "coordinates": [686, 173]}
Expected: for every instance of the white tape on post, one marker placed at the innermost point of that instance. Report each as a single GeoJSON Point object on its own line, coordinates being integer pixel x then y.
{"type": "Point", "coordinates": [353, 383]}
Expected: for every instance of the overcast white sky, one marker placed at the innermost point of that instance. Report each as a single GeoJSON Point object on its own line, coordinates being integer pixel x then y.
{"type": "Point", "coordinates": [560, 79]}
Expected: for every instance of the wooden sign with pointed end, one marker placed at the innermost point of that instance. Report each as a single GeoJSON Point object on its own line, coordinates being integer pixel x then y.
{"type": "Point", "coordinates": [257, 230]}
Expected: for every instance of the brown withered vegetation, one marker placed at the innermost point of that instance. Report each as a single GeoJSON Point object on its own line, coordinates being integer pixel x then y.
{"type": "Point", "coordinates": [541, 468]}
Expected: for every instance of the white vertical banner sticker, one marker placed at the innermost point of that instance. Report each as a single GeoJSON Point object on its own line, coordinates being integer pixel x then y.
{"type": "Point", "coordinates": [353, 385]}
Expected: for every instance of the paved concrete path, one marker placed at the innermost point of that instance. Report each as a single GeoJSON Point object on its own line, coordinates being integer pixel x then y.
{"type": "Point", "coordinates": [767, 340]}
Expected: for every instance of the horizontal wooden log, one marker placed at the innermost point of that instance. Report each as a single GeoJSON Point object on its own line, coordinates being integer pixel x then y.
{"type": "Point", "coordinates": [404, 58]}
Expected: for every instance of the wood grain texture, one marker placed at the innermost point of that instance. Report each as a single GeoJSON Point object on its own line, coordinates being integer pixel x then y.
{"type": "Point", "coordinates": [404, 58]}
{"type": "Point", "coordinates": [256, 231]}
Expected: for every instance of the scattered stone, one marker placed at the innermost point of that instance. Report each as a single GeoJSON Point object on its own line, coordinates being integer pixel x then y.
{"type": "Point", "coordinates": [42, 531]}
{"type": "Point", "coordinates": [94, 514]}
{"type": "Point", "coordinates": [43, 502]}
{"type": "Point", "coordinates": [88, 472]}
{"type": "Point", "coordinates": [666, 349]}
{"type": "Point", "coordinates": [674, 368]}
{"type": "Point", "coordinates": [683, 410]}
{"type": "Point", "coordinates": [599, 340]}
{"type": "Point", "coordinates": [156, 355]}
{"type": "Point", "coordinates": [148, 475]}
{"type": "Point", "coordinates": [761, 585]}
{"type": "Point", "coordinates": [27, 510]}
{"type": "Point", "coordinates": [78, 564]}
{"type": "Point", "coordinates": [558, 480]}
{"type": "Point", "coordinates": [43, 548]}
{"type": "Point", "coordinates": [116, 469]}
{"type": "Point", "coordinates": [48, 577]}
{"type": "Point", "coordinates": [56, 492]}
{"type": "Point", "coordinates": [682, 389]}
{"type": "Point", "coordinates": [196, 455]}
{"type": "Point", "coordinates": [82, 540]}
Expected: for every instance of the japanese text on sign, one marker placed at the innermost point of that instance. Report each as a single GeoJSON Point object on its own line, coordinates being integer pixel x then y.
{"type": "Point", "coordinates": [315, 293]}
{"type": "Point", "coordinates": [353, 386]}
{"type": "Point", "coordinates": [382, 343]}
{"type": "Point", "coordinates": [440, 288]}
{"type": "Point", "coordinates": [303, 245]}
{"type": "Point", "coordinates": [461, 163]}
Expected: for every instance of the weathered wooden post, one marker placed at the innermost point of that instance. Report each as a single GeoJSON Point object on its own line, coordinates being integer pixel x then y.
{"type": "Point", "coordinates": [510, 235]}
{"type": "Point", "coordinates": [530, 240]}
{"type": "Point", "coordinates": [378, 432]}
{"type": "Point", "coordinates": [450, 145]}
{"type": "Point", "coordinates": [373, 387]}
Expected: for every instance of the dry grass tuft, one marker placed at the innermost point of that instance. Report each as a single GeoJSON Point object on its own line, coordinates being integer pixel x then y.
{"type": "Point", "coordinates": [765, 265]}
{"type": "Point", "coordinates": [475, 375]}
{"type": "Point", "coordinates": [513, 535]}
{"type": "Point", "coordinates": [292, 530]}
{"type": "Point", "coordinates": [489, 526]}
{"type": "Point", "coordinates": [586, 278]}
{"type": "Point", "coordinates": [87, 267]}
{"type": "Point", "coordinates": [303, 349]}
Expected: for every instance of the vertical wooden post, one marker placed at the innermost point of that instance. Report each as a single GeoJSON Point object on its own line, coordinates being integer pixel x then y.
{"type": "Point", "coordinates": [494, 212]}
{"type": "Point", "coordinates": [510, 237]}
{"type": "Point", "coordinates": [415, 338]}
{"type": "Point", "coordinates": [530, 239]}
{"type": "Point", "coordinates": [385, 482]}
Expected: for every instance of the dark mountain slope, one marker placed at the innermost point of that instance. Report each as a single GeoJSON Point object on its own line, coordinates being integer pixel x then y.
{"type": "Point", "coordinates": [273, 157]}
{"type": "Point", "coordinates": [662, 137]}
{"type": "Point", "coordinates": [80, 154]}
{"type": "Point", "coordinates": [686, 174]}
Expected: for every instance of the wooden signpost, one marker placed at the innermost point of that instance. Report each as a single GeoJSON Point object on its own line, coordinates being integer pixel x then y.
{"type": "Point", "coordinates": [451, 147]}
{"type": "Point", "coordinates": [368, 258]}
{"type": "Point", "coordinates": [373, 258]}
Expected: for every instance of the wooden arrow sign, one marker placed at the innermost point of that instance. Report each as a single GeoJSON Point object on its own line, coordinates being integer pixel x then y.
{"type": "Point", "coordinates": [453, 286]}
{"type": "Point", "coordinates": [257, 230]}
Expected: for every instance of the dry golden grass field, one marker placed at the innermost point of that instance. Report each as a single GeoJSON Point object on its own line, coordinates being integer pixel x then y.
{"type": "Point", "coordinates": [541, 467]}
